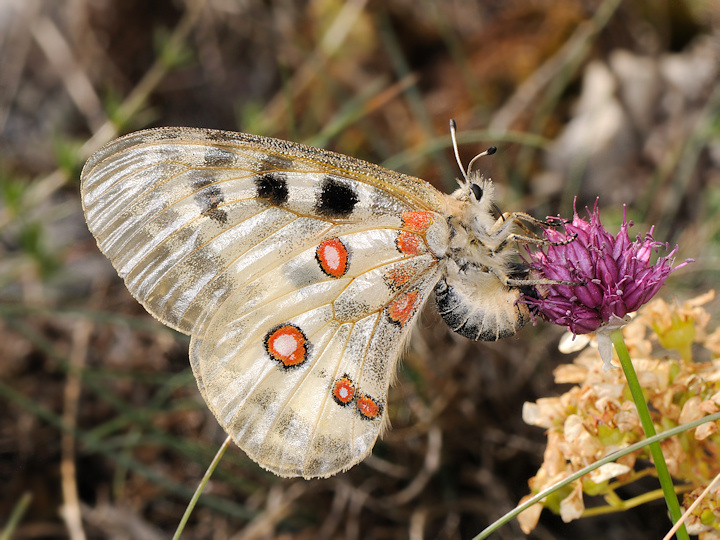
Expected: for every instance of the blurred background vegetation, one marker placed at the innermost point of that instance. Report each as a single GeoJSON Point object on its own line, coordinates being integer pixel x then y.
{"type": "Point", "coordinates": [101, 416]}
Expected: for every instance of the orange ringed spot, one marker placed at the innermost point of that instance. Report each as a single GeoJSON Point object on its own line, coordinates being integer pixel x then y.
{"type": "Point", "coordinates": [368, 407]}
{"type": "Point", "coordinates": [401, 309]}
{"type": "Point", "coordinates": [332, 255]}
{"type": "Point", "coordinates": [398, 276]}
{"type": "Point", "coordinates": [409, 243]}
{"type": "Point", "coordinates": [287, 344]}
{"type": "Point", "coordinates": [343, 390]}
{"type": "Point", "coordinates": [417, 221]}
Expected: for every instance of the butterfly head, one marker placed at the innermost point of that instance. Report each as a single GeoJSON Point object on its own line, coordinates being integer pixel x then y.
{"type": "Point", "coordinates": [480, 193]}
{"type": "Point", "coordinates": [476, 191]}
{"type": "Point", "coordinates": [477, 210]}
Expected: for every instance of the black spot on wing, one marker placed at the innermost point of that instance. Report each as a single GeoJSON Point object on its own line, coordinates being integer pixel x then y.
{"type": "Point", "coordinates": [209, 199]}
{"type": "Point", "coordinates": [219, 157]}
{"type": "Point", "coordinates": [336, 198]}
{"type": "Point", "coordinates": [272, 186]}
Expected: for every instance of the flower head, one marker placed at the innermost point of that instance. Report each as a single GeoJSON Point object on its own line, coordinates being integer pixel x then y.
{"type": "Point", "coordinates": [615, 276]}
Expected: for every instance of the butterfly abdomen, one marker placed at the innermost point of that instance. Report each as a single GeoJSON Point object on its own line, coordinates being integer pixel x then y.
{"type": "Point", "coordinates": [476, 305]}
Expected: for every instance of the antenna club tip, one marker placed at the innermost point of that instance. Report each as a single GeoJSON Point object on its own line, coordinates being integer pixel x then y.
{"type": "Point", "coordinates": [491, 150]}
{"type": "Point", "coordinates": [453, 125]}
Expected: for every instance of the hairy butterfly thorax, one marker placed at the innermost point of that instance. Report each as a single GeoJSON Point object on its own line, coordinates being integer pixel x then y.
{"type": "Point", "coordinates": [478, 293]}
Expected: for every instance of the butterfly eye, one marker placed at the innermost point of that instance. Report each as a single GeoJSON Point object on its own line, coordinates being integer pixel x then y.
{"type": "Point", "coordinates": [477, 191]}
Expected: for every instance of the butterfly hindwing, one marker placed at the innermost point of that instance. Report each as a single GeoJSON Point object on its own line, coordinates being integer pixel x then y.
{"type": "Point", "coordinates": [297, 363]}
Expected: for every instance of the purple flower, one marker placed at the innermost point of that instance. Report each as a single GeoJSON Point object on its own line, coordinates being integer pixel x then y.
{"type": "Point", "coordinates": [615, 274]}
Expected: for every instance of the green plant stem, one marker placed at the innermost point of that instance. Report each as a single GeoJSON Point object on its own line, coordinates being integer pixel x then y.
{"type": "Point", "coordinates": [201, 488]}
{"type": "Point", "coordinates": [644, 413]}
{"type": "Point", "coordinates": [17, 514]}
{"type": "Point", "coordinates": [626, 504]}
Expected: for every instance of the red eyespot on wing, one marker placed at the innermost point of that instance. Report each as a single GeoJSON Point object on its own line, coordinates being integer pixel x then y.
{"type": "Point", "coordinates": [409, 243]}
{"type": "Point", "coordinates": [343, 390]}
{"type": "Point", "coordinates": [368, 407]}
{"type": "Point", "coordinates": [332, 255]}
{"type": "Point", "coordinates": [417, 221]}
{"type": "Point", "coordinates": [287, 344]}
{"type": "Point", "coordinates": [401, 309]}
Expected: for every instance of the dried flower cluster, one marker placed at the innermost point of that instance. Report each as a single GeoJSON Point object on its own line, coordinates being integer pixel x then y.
{"type": "Point", "coordinates": [597, 416]}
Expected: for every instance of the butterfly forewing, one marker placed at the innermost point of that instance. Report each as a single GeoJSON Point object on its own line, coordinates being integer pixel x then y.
{"type": "Point", "coordinates": [298, 272]}
{"type": "Point", "coordinates": [173, 209]}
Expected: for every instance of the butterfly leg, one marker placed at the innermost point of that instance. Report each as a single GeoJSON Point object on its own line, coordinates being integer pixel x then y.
{"type": "Point", "coordinates": [502, 230]}
{"type": "Point", "coordinates": [515, 282]}
{"type": "Point", "coordinates": [524, 217]}
{"type": "Point", "coordinates": [510, 238]}
{"type": "Point", "coordinates": [508, 219]}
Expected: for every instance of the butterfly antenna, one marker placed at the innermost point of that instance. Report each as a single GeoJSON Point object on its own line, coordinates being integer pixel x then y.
{"type": "Point", "coordinates": [453, 136]}
{"type": "Point", "coordinates": [489, 152]}
{"type": "Point", "coordinates": [466, 173]}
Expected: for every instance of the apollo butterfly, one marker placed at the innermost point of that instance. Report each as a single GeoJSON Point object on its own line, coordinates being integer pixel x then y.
{"type": "Point", "coordinates": [298, 273]}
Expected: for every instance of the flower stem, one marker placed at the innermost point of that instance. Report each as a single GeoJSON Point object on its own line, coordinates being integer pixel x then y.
{"type": "Point", "coordinates": [200, 488]}
{"type": "Point", "coordinates": [644, 414]}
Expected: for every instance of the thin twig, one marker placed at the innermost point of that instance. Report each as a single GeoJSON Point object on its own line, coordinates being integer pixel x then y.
{"type": "Point", "coordinates": [157, 72]}
{"type": "Point", "coordinates": [62, 59]}
{"type": "Point", "coordinates": [40, 190]}
{"type": "Point", "coordinates": [690, 510]}
{"type": "Point", "coordinates": [279, 503]}
{"type": "Point", "coordinates": [71, 501]}
{"type": "Point", "coordinates": [17, 514]}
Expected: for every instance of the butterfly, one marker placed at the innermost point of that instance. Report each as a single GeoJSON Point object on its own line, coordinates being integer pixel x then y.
{"type": "Point", "coordinates": [298, 274]}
